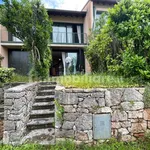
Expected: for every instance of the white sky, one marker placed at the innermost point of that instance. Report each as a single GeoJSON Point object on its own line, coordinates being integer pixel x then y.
{"type": "Point", "coordinates": [65, 4]}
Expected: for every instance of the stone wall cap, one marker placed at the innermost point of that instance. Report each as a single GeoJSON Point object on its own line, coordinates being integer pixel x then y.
{"type": "Point", "coordinates": [59, 88]}
{"type": "Point", "coordinates": [21, 87]}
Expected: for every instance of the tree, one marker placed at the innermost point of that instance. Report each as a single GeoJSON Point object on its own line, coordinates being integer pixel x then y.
{"type": "Point", "coordinates": [124, 46]}
{"type": "Point", "coordinates": [28, 20]}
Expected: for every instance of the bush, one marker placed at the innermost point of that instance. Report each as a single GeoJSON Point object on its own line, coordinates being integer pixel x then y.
{"type": "Point", "coordinates": [6, 74]}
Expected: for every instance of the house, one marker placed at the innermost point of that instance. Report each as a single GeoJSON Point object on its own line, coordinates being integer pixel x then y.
{"type": "Point", "coordinates": [68, 40]}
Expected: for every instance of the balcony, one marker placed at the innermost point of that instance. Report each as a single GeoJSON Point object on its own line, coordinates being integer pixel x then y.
{"type": "Point", "coordinates": [57, 38]}
{"type": "Point", "coordinates": [69, 38]}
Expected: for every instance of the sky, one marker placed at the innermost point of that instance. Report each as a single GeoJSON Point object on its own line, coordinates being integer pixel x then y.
{"type": "Point", "coordinates": [64, 4]}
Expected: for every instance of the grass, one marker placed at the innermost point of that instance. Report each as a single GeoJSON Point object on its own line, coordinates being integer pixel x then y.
{"type": "Point", "coordinates": [19, 78]}
{"type": "Point", "coordinates": [86, 81]}
{"type": "Point", "coordinates": [68, 145]}
{"type": "Point", "coordinates": [95, 81]}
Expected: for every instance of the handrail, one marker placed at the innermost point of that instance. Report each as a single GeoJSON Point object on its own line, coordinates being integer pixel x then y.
{"type": "Point", "coordinates": [56, 37]}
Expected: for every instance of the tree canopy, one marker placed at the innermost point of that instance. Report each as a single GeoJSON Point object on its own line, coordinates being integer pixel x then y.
{"type": "Point", "coordinates": [122, 45]}
{"type": "Point", "coordinates": [28, 20]}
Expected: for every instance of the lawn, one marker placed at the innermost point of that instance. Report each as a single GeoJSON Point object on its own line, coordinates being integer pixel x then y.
{"type": "Point", "coordinates": [95, 81]}
{"type": "Point", "coordinates": [111, 145]}
{"type": "Point", "coordinates": [87, 81]}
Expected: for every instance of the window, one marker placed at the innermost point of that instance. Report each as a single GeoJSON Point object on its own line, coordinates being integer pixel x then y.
{"type": "Point", "coordinates": [98, 13]}
{"type": "Point", "coordinates": [67, 33]}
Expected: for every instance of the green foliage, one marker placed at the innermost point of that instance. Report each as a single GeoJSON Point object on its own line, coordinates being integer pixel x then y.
{"type": "Point", "coordinates": [28, 20]}
{"type": "Point", "coordinates": [122, 45]}
{"type": "Point", "coordinates": [129, 21]}
{"type": "Point", "coordinates": [131, 65]}
{"type": "Point", "coordinates": [112, 144]}
{"type": "Point", "coordinates": [60, 111]}
{"type": "Point", "coordinates": [19, 78]}
{"type": "Point", "coordinates": [64, 145]}
{"type": "Point", "coordinates": [97, 52]}
{"type": "Point", "coordinates": [6, 74]}
{"type": "Point", "coordinates": [147, 96]}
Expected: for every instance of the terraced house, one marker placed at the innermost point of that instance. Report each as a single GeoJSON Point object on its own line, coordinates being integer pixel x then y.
{"type": "Point", "coordinates": [68, 40]}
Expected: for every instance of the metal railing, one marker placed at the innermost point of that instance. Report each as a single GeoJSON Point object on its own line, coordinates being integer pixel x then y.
{"type": "Point", "coordinates": [5, 36]}
{"type": "Point", "coordinates": [56, 38]}
{"type": "Point", "coordinates": [69, 38]}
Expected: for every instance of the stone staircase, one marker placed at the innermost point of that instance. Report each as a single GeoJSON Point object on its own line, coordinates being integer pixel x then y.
{"type": "Point", "coordinates": [40, 126]}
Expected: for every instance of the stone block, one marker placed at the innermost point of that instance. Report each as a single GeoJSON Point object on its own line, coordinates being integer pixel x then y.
{"type": "Point", "coordinates": [14, 95]}
{"type": "Point", "coordinates": [125, 124]}
{"type": "Point", "coordinates": [101, 102]}
{"type": "Point", "coordinates": [148, 124]}
{"type": "Point", "coordinates": [64, 133]}
{"type": "Point", "coordinates": [15, 117]}
{"type": "Point", "coordinates": [70, 116]}
{"type": "Point", "coordinates": [84, 122]}
{"type": "Point", "coordinates": [139, 127]}
{"type": "Point", "coordinates": [140, 90]}
{"type": "Point", "coordinates": [103, 110]}
{"type": "Point", "coordinates": [69, 109]}
{"type": "Point", "coordinates": [18, 103]}
{"type": "Point", "coordinates": [113, 97]}
{"type": "Point", "coordinates": [8, 102]}
{"type": "Point", "coordinates": [68, 99]}
{"type": "Point", "coordinates": [115, 125]}
{"type": "Point", "coordinates": [135, 114]}
{"type": "Point", "coordinates": [98, 94]}
{"type": "Point", "coordinates": [9, 125]}
{"type": "Point", "coordinates": [126, 138]}
{"type": "Point", "coordinates": [88, 102]}
{"type": "Point", "coordinates": [6, 137]}
{"type": "Point", "coordinates": [81, 136]}
{"type": "Point", "coordinates": [119, 115]}
{"type": "Point", "coordinates": [68, 125]}
{"type": "Point", "coordinates": [131, 94]}
{"type": "Point", "coordinates": [90, 134]}
{"type": "Point", "coordinates": [123, 131]}
{"type": "Point", "coordinates": [127, 106]}
{"type": "Point", "coordinates": [82, 110]}
{"type": "Point", "coordinates": [147, 114]}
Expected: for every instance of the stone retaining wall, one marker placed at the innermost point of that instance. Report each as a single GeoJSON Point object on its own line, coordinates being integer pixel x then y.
{"type": "Point", "coordinates": [129, 120]}
{"type": "Point", "coordinates": [17, 106]}
{"type": "Point", "coordinates": [2, 89]}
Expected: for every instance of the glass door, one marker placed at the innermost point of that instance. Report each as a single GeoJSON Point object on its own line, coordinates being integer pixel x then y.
{"type": "Point", "coordinates": [59, 34]}
{"type": "Point", "coordinates": [69, 62]}
{"type": "Point", "coordinates": [69, 34]}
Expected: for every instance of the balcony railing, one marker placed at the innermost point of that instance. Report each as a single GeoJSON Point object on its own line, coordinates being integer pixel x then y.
{"type": "Point", "coordinates": [56, 38]}
{"type": "Point", "coordinates": [69, 38]}
{"type": "Point", "coordinates": [5, 36]}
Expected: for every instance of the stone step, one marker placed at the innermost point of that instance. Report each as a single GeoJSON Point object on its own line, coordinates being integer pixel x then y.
{"type": "Point", "coordinates": [40, 136]}
{"type": "Point", "coordinates": [43, 105]}
{"type": "Point", "coordinates": [48, 83]}
{"type": "Point", "coordinates": [47, 87]}
{"type": "Point", "coordinates": [44, 98]}
{"type": "Point", "coordinates": [1, 115]}
{"type": "Point", "coordinates": [1, 108]}
{"type": "Point", "coordinates": [40, 123]}
{"type": "Point", "coordinates": [42, 113]}
{"type": "Point", "coordinates": [45, 92]}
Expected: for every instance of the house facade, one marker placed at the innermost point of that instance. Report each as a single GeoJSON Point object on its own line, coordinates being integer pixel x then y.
{"type": "Point", "coordinates": [68, 40]}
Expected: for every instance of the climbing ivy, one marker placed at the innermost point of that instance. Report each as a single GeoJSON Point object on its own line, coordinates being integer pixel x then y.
{"type": "Point", "coordinates": [59, 111]}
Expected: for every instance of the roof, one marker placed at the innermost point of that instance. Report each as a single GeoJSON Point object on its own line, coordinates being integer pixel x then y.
{"type": "Point", "coordinates": [66, 12]}
{"type": "Point", "coordinates": [101, 1]}
{"type": "Point", "coordinates": [106, 1]}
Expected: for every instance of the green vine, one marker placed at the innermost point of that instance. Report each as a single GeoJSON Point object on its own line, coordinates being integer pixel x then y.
{"type": "Point", "coordinates": [59, 111]}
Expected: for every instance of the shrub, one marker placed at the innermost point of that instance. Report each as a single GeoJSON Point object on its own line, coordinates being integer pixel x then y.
{"type": "Point", "coordinates": [6, 74]}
